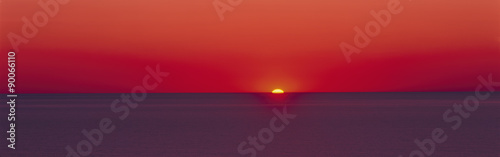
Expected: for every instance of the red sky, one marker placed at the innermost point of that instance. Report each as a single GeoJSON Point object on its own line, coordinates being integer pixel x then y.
{"type": "Point", "coordinates": [96, 46]}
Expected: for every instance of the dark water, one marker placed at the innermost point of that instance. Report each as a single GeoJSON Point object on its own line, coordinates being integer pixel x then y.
{"type": "Point", "coordinates": [211, 125]}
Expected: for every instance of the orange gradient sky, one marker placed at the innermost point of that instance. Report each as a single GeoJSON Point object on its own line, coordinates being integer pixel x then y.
{"type": "Point", "coordinates": [103, 46]}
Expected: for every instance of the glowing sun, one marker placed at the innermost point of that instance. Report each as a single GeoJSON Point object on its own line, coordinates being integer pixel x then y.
{"type": "Point", "coordinates": [277, 91]}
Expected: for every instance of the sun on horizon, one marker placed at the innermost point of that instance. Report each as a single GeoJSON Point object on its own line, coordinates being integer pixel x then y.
{"type": "Point", "coordinates": [278, 91]}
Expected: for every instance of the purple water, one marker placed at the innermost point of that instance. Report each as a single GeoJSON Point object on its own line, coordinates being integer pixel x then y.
{"type": "Point", "coordinates": [213, 125]}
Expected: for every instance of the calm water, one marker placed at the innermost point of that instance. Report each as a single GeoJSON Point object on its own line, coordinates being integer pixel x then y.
{"type": "Point", "coordinates": [210, 125]}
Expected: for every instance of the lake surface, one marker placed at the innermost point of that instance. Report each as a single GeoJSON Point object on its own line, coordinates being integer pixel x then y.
{"type": "Point", "coordinates": [214, 125]}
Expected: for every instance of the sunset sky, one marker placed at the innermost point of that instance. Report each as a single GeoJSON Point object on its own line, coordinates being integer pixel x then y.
{"type": "Point", "coordinates": [93, 46]}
